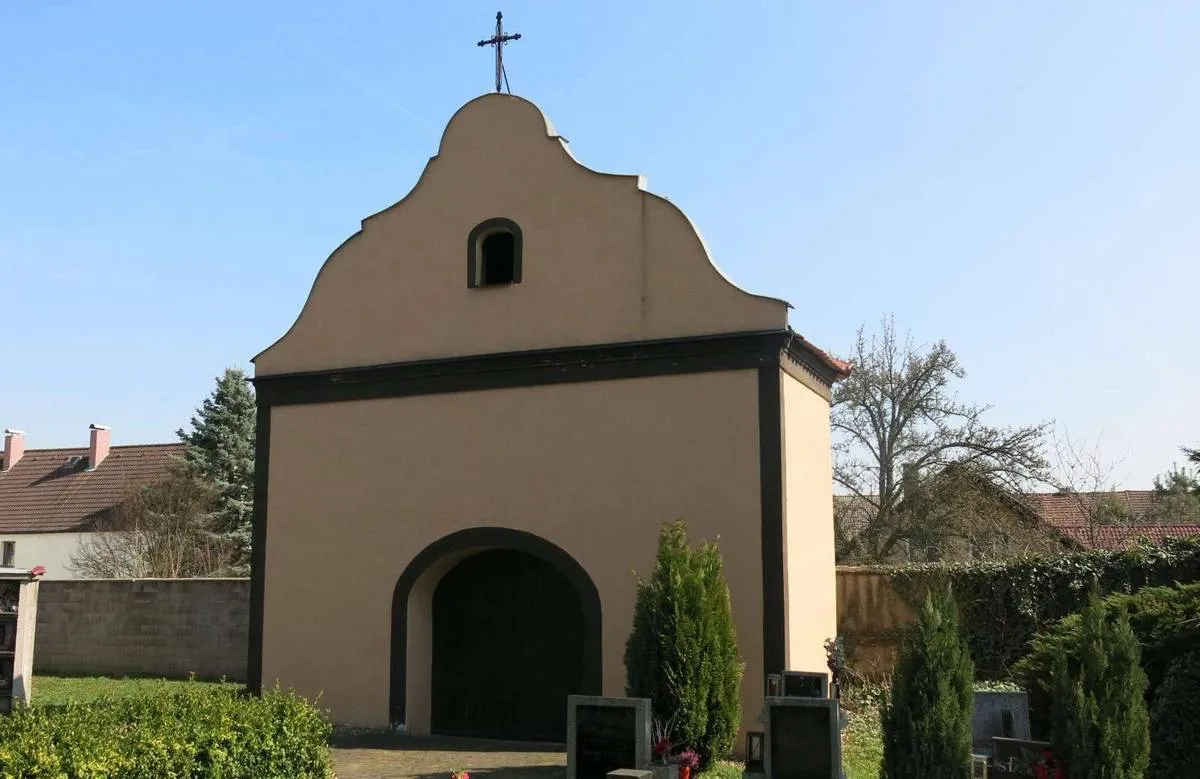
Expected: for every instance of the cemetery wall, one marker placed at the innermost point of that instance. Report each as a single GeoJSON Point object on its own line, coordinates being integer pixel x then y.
{"type": "Point", "coordinates": [872, 618]}
{"type": "Point", "coordinates": [157, 627]}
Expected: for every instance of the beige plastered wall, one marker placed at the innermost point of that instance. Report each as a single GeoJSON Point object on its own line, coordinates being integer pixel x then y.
{"type": "Point", "coordinates": [604, 261]}
{"type": "Point", "coordinates": [357, 489]}
{"type": "Point", "coordinates": [810, 580]}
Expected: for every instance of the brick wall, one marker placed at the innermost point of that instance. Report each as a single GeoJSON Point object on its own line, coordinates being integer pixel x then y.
{"type": "Point", "coordinates": [157, 627]}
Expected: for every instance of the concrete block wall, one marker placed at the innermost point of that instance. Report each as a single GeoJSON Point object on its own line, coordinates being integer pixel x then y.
{"type": "Point", "coordinates": [156, 627]}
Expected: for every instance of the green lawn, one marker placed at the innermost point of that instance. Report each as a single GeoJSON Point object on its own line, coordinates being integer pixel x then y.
{"type": "Point", "coordinates": [59, 690]}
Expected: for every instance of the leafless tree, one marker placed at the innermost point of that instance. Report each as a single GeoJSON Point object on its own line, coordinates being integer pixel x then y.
{"type": "Point", "coordinates": [163, 530]}
{"type": "Point", "coordinates": [1088, 478]}
{"type": "Point", "coordinates": [898, 425]}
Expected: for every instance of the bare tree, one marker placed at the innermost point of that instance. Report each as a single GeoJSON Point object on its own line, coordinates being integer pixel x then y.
{"type": "Point", "coordinates": [897, 426]}
{"type": "Point", "coordinates": [163, 530]}
{"type": "Point", "coordinates": [1088, 479]}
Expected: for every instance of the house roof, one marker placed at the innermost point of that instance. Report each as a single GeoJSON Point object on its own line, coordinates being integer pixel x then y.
{"type": "Point", "coordinates": [1121, 536]}
{"type": "Point", "coordinates": [1073, 509]}
{"type": "Point", "coordinates": [43, 493]}
{"type": "Point", "coordinates": [1070, 514]}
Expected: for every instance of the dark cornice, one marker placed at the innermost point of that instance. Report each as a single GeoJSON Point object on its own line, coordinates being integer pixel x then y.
{"type": "Point", "coordinates": [543, 366]}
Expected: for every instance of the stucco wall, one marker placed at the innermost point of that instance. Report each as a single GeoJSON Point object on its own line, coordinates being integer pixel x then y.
{"type": "Point", "coordinates": [358, 488]}
{"type": "Point", "coordinates": [603, 260]}
{"type": "Point", "coordinates": [159, 627]}
{"type": "Point", "coordinates": [810, 585]}
{"type": "Point", "coordinates": [51, 550]}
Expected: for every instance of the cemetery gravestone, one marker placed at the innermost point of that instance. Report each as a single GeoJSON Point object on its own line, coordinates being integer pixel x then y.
{"type": "Point", "coordinates": [805, 684]}
{"type": "Point", "coordinates": [606, 734]}
{"type": "Point", "coordinates": [1004, 714]}
{"type": "Point", "coordinates": [803, 740]}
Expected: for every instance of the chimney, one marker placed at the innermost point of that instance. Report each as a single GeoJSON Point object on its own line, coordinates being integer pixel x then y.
{"type": "Point", "coordinates": [14, 448]}
{"type": "Point", "coordinates": [98, 446]}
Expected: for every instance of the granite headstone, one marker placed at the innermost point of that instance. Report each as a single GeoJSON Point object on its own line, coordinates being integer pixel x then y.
{"type": "Point", "coordinates": [606, 734]}
{"type": "Point", "coordinates": [803, 740]}
{"type": "Point", "coordinates": [1003, 714]}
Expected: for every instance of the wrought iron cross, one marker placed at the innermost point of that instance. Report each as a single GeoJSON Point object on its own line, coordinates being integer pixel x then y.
{"type": "Point", "coordinates": [498, 40]}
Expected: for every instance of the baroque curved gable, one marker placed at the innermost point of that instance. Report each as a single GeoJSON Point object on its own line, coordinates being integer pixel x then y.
{"type": "Point", "coordinates": [603, 261]}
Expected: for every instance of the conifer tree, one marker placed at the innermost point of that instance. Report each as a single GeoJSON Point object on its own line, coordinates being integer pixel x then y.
{"type": "Point", "coordinates": [682, 651]}
{"type": "Point", "coordinates": [927, 724]}
{"type": "Point", "coordinates": [219, 450]}
{"type": "Point", "coordinates": [1100, 725]}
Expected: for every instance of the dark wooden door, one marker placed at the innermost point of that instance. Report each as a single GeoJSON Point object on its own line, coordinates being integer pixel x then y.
{"type": "Point", "coordinates": [507, 648]}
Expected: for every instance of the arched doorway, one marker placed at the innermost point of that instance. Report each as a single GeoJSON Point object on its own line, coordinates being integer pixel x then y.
{"type": "Point", "coordinates": [507, 648]}
{"type": "Point", "coordinates": [468, 561]}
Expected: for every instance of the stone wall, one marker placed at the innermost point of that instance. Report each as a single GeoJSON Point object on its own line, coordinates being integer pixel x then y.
{"type": "Point", "coordinates": [155, 627]}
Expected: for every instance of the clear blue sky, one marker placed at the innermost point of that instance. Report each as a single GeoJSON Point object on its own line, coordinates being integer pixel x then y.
{"type": "Point", "coordinates": [1019, 178]}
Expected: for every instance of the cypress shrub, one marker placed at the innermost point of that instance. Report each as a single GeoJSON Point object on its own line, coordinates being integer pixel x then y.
{"type": "Point", "coordinates": [1164, 620]}
{"type": "Point", "coordinates": [682, 651]}
{"type": "Point", "coordinates": [927, 723]}
{"type": "Point", "coordinates": [1175, 719]}
{"type": "Point", "coordinates": [1100, 726]}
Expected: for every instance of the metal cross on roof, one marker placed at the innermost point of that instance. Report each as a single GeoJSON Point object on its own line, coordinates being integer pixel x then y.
{"type": "Point", "coordinates": [498, 40]}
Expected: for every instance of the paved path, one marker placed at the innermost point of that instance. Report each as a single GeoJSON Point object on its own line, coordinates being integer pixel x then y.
{"type": "Point", "coordinates": [380, 756]}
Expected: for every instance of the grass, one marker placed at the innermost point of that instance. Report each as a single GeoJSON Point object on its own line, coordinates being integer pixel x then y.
{"type": "Point", "coordinates": [60, 690]}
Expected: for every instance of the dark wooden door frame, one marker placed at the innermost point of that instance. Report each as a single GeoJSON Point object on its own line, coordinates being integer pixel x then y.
{"type": "Point", "coordinates": [481, 538]}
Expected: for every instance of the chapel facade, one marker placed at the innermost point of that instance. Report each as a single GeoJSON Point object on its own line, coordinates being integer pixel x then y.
{"type": "Point", "coordinates": [497, 392]}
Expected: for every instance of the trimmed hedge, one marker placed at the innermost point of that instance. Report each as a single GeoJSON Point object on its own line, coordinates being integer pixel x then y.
{"type": "Point", "coordinates": [1165, 620]}
{"type": "Point", "coordinates": [200, 732]}
{"type": "Point", "coordinates": [1004, 604]}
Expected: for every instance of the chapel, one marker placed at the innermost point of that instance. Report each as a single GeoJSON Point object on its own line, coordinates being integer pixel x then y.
{"type": "Point", "coordinates": [496, 393]}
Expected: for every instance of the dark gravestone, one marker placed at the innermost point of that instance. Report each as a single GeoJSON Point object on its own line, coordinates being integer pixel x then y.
{"type": "Point", "coordinates": [805, 684]}
{"type": "Point", "coordinates": [606, 734]}
{"type": "Point", "coordinates": [803, 739]}
{"type": "Point", "coordinates": [1003, 714]}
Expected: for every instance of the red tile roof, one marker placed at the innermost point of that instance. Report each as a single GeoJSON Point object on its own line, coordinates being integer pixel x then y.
{"type": "Point", "coordinates": [1121, 536]}
{"type": "Point", "coordinates": [1069, 514]}
{"type": "Point", "coordinates": [1066, 509]}
{"type": "Point", "coordinates": [42, 493]}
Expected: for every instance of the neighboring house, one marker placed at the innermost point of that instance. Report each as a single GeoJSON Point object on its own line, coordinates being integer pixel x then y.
{"type": "Point", "coordinates": [51, 499]}
{"type": "Point", "coordinates": [1107, 520]}
{"type": "Point", "coordinates": [1096, 520]}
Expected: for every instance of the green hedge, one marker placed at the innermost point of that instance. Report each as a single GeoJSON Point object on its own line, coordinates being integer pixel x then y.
{"type": "Point", "coordinates": [200, 733]}
{"type": "Point", "coordinates": [1003, 605]}
{"type": "Point", "coordinates": [1166, 621]}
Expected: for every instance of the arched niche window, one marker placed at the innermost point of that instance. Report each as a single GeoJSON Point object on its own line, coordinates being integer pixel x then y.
{"type": "Point", "coordinates": [494, 253]}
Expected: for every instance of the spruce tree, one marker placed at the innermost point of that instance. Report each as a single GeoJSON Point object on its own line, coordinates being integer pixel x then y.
{"type": "Point", "coordinates": [1100, 725]}
{"type": "Point", "coordinates": [220, 450]}
{"type": "Point", "coordinates": [682, 651]}
{"type": "Point", "coordinates": [927, 724]}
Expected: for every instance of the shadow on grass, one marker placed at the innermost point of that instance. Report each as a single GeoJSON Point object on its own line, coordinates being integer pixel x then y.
{"type": "Point", "coordinates": [527, 772]}
{"type": "Point", "coordinates": [347, 738]}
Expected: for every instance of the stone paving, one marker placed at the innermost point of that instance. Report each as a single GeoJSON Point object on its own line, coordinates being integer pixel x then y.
{"type": "Point", "coordinates": [383, 756]}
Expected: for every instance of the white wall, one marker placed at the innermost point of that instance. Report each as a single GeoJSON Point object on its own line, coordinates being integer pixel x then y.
{"type": "Point", "coordinates": [51, 550]}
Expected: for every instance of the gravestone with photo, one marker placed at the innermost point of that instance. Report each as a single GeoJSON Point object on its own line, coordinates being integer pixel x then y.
{"type": "Point", "coordinates": [606, 734]}
{"type": "Point", "coordinates": [803, 739]}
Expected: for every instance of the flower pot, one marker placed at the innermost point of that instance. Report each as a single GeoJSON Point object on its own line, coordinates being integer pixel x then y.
{"type": "Point", "coordinates": [685, 772]}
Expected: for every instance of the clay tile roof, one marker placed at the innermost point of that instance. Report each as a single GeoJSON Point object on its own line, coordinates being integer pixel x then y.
{"type": "Point", "coordinates": [43, 494]}
{"type": "Point", "coordinates": [1120, 536]}
{"type": "Point", "coordinates": [1064, 510]}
